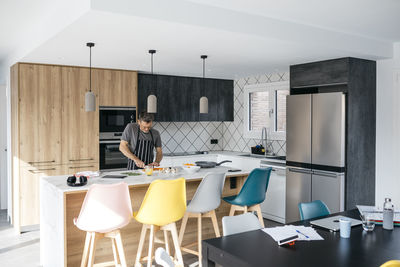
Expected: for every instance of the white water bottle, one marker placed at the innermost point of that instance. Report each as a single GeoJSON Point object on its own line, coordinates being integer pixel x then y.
{"type": "Point", "coordinates": [388, 210]}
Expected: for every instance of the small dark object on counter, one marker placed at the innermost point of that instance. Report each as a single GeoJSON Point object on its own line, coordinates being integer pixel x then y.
{"type": "Point", "coordinates": [259, 149]}
{"type": "Point", "coordinates": [210, 164]}
{"type": "Point", "coordinates": [114, 176]}
{"type": "Point", "coordinates": [234, 170]}
{"type": "Point", "coordinates": [131, 173]}
{"type": "Point", "coordinates": [72, 181]}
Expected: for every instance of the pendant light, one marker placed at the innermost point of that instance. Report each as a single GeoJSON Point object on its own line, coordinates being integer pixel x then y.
{"type": "Point", "coordinates": [90, 98]}
{"type": "Point", "coordinates": [152, 99]}
{"type": "Point", "coordinates": [203, 99]}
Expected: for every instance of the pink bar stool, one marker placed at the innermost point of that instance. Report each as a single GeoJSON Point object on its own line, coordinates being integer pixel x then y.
{"type": "Point", "coordinates": [105, 210]}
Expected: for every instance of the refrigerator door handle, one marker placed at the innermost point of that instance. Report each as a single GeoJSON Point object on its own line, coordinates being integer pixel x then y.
{"type": "Point", "coordinates": [327, 174]}
{"type": "Point", "coordinates": [307, 171]}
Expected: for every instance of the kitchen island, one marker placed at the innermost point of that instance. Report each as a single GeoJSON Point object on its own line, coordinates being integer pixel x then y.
{"type": "Point", "coordinates": [62, 242]}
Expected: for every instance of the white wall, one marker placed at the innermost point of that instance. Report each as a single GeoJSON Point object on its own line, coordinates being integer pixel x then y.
{"type": "Point", "coordinates": [388, 129]}
{"type": "Point", "coordinates": [3, 145]}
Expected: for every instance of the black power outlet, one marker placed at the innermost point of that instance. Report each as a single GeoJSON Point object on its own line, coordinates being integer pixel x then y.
{"type": "Point", "coordinates": [214, 141]}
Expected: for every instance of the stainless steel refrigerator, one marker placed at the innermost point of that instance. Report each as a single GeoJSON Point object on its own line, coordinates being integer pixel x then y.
{"type": "Point", "coordinates": [315, 151]}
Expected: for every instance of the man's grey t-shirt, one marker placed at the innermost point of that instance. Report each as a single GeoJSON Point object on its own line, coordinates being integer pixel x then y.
{"type": "Point", "coordinates": [130, 135]}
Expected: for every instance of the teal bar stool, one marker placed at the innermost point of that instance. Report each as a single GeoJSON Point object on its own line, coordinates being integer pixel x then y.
{"type": "Point", "coordinates": [310, 210]}
{"type": "Point", "coordinates": [251, 194]}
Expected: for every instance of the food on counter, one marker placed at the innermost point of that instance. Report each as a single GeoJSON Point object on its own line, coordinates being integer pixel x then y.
{"type": "Point", "coordinates": [148, 170]}
{"type": "Point", "coordinates": [189, 164]}
{"type": "Point", "coordinates": [169, 170]}
{"type": "Point", "coordinates": [191, 169]}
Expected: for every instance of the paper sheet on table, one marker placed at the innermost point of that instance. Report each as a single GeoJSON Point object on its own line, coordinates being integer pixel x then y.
{"type": "Point", "coordinates": [282, 232]}
{"type": "Point", "coordinates": [377, 213]}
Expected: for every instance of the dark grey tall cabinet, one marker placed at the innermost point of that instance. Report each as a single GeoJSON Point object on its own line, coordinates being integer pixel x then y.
{"type": "Point", "coordinates": [357, 79]}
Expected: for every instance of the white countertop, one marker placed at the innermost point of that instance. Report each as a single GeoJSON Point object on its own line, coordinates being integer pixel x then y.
{"type": "Point", "coordinates": [60, 182]}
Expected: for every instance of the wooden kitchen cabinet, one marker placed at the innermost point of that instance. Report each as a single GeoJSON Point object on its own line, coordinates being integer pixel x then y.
{"type": "Point", "coordinates": [29, 196]}
{"type": "Point", "coordinates": [116, 88]}
{"type": "Point", "coordinates": [70, 169]}
{"type": "Point", "coordinates": [39, 118]}
{"type": "Point", "coordinates": [51, 133]}
{"type": "Point", "coordinates": [80, 138]}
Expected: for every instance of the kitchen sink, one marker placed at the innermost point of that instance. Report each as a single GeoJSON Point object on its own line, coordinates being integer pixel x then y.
{"type": "Point", "coordinates": [265, 156]}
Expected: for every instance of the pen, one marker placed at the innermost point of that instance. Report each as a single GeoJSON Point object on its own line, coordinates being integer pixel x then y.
{"type": "Point", "coordinates": [302, 234]}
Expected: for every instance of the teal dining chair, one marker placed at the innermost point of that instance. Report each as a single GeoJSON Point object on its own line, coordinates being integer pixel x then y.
{"type": "Point", "coordinates": [313, 209]}
{"type": "Point", "coordinates": [251, 194]}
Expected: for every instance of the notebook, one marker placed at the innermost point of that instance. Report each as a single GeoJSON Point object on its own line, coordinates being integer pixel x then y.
{"type": "Point", "coordinates": [332, 223]}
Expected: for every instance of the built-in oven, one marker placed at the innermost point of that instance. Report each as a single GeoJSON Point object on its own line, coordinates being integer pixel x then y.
{"type": "Point", "coordinates": [110, 156]}
{"type": "Point", "coordinates": [115, 119]}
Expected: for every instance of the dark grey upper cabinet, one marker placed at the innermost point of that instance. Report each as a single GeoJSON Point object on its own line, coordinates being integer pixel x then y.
{"type": "Point", "coordinates": [225, 103]}
{"type": "Point", "coordinates": [178, 97]}
{"type": "Point", "coordinates": [327, 72]}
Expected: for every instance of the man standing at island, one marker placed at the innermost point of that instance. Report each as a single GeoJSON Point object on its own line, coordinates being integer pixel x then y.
{"type": "Point", "coordinates": [138, 142]}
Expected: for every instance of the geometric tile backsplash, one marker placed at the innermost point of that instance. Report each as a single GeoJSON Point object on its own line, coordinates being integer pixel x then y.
{"type": "Point", "coordinates": [195, 136]}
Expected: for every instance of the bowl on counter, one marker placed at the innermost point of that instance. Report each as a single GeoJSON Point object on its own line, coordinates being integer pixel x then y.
{"type": "Point", "coordinates": [190, 168]}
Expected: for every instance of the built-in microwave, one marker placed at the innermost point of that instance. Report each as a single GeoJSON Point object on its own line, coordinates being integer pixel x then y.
{"type": "Point", "coordinates": [115, 119]}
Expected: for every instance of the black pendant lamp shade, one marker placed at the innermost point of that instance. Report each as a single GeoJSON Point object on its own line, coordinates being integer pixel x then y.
{"type": "Point", "coordinates": [90, 98]}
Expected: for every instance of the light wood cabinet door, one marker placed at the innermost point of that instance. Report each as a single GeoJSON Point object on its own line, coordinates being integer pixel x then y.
{"type": "Point", "coordinates": [80, 134]}
{"type": "Point", "coordinates": [71, 169]}
{"type": "Point", "coordinates": [39, 114]}
{"type": "Point", "coordinates": [29, 191]}
{"type": "Point", "coordinates": [116, 87]}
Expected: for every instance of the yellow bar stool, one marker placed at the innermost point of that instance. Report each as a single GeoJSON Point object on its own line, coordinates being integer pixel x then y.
{"type": "Point", "coordinates": [163, 205]}
{"type": "Point", "coordinates": [203, 204]}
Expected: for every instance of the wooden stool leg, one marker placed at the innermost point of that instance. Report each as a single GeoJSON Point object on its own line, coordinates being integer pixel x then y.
{"type": "Point", "coordinates": [257, 208]}
{"type": "Point", "coordinates": [151, 247]}
{"type": "Point", "coordinates": [199, 236]}
{"type": "Point", "coordinates": [120, 248]}
{"type": "Point", "coordinates": [166, 242]}
{"type": "Point", "coordinates": [183, 228]}
{"type": "Point", "coordinates": [174, 234]}
{"type": "Point", "coordinates": [232, 211]}
{"type": "Point", "coordinates": [115, 252]}
{"type": "Point", "coordinates": [86, 249]}
{"type": "Point", "coordinates": [92, 250]}
{"type": "Point", "coordinates": [245, 209]}
{"type": "Point", "coordinates": [140, 246]}
{"type": "Point", "coordinates": [215, 223]}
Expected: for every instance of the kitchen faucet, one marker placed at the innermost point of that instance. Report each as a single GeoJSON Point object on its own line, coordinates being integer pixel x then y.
{"type": "Point", "coordinates": [264, 139]}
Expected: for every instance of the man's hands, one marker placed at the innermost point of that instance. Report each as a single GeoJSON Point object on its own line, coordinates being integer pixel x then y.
{"type": "Point", "coordinates": [154, 164]}
{"type": "Point", "coordinates": [139, 163]}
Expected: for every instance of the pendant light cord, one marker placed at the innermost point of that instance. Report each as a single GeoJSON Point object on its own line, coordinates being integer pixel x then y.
{"type": "Point", "coordinates": [152, 63]}
{"type": "Point", "coordinates": [90, 66]}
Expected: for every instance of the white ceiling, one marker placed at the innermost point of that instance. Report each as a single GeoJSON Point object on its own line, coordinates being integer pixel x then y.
{"type": "Point", "coordinates": [240, 37]}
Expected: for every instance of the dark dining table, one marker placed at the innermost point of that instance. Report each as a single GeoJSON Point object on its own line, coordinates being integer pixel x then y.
{"type": "Point", "coordinates": [256, 248]}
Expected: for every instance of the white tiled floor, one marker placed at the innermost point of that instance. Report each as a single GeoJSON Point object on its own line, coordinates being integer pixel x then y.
{"type": "Point", "coordinates": [18, 250]}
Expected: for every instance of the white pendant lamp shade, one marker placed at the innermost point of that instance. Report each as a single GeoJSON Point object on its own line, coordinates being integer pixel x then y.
{"type": "Point", "coordinates": [90, 101]}
{"type": "Point", "coordinates": [90, 97]}
{"type": "Point", "coordinates": [151, 104]}
{"type": "Point", "coordinates": [152, 99]}
{"type": "Point", "coordinates": [203, 104]}
{"type": "Point", "coordinates": [203, 100]}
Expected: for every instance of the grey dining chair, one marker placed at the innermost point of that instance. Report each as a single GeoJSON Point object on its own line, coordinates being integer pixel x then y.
{"type": "Point", "coordinates": [240, 223]}
{"type": "Point", "coordinates": [203, 204]}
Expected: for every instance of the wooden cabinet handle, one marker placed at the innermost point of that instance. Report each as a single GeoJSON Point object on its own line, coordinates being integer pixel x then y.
{"type": "Point", "coordinates": [76, 167]}
{"type": "Point", "coordinates": [41, 170]}
{"type": "Point", "coordinates": [81, 159]}
{"type": "Point", "coordinates": [34, 162]}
